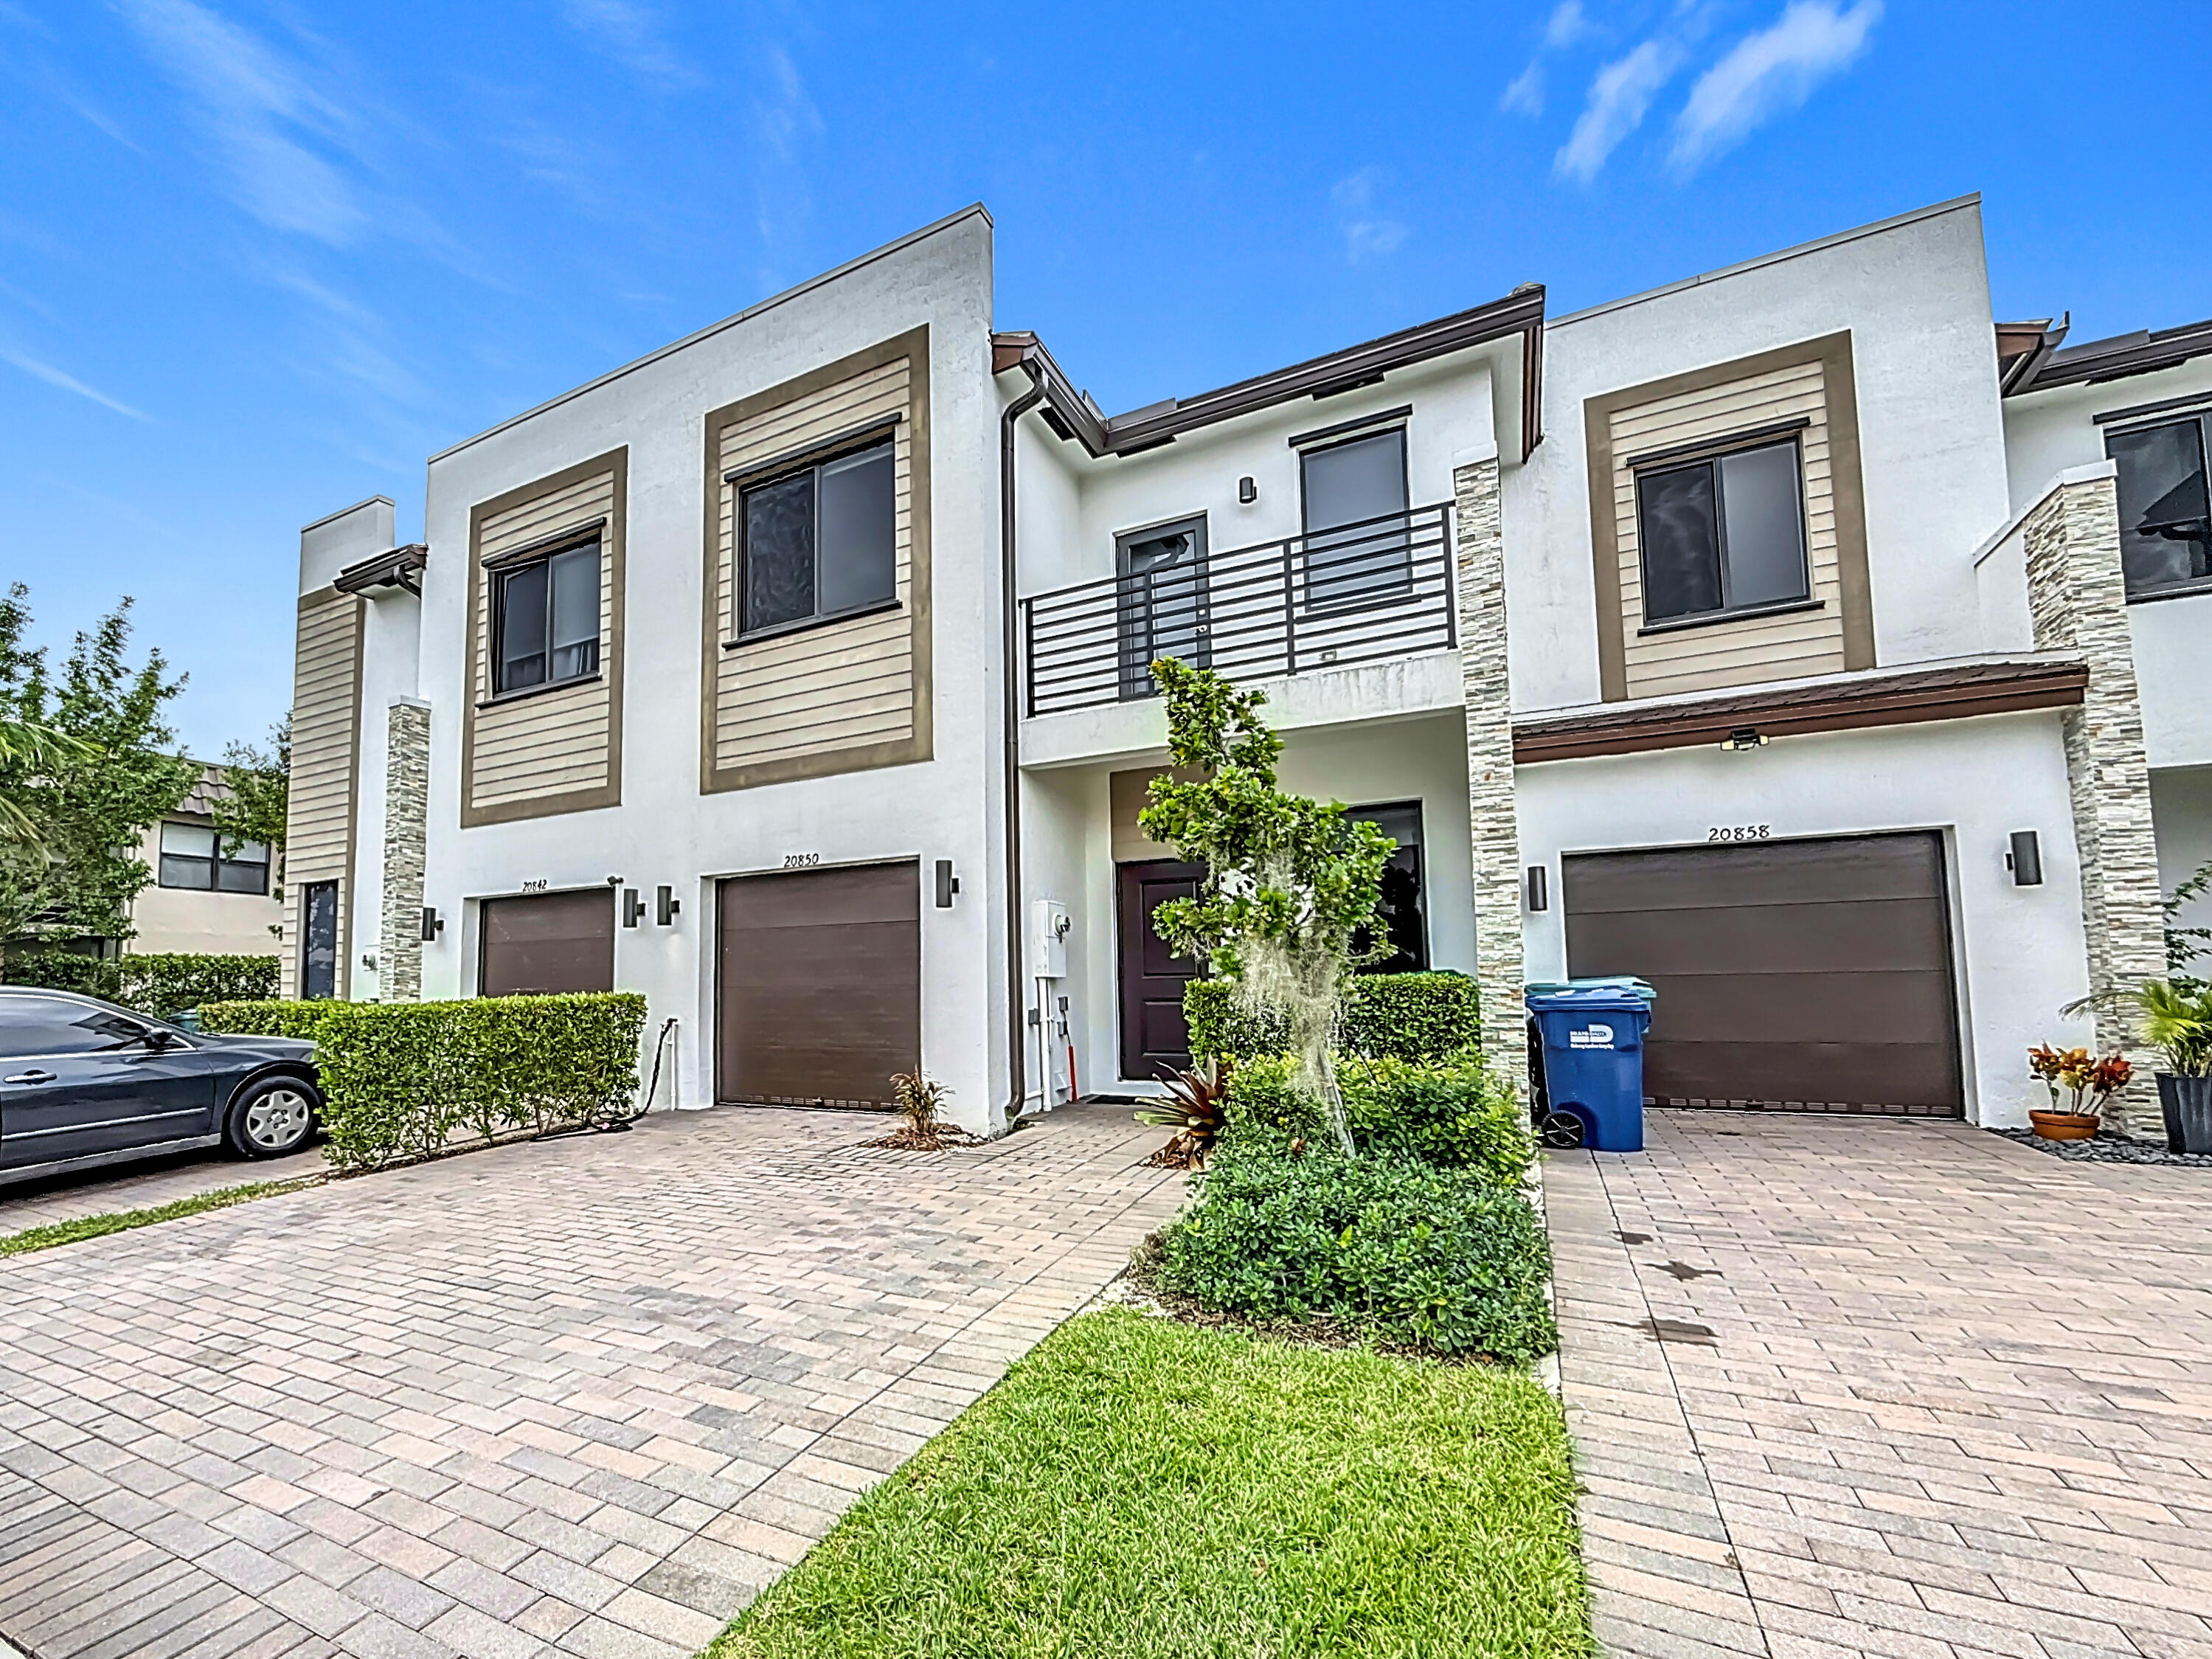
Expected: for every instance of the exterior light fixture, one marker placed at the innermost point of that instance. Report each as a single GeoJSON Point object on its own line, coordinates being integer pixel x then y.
{"type": "Point", "coordinates": [432, 925]}
{"type": "Point", "coordinates": [665, 905]}
{"type": "Point", "coordinates": [633, 906]}
{"type": "Point", "coordinates": [2025, 859]}
{"type": "Point", "coordinates": [1744, 738]}
{"type": "Point", "coordinates": [1247, 492]}
{"type": "Point", "coordinates": [947, 883]}
{"type": "Point", "coordinates": [1537, 886]}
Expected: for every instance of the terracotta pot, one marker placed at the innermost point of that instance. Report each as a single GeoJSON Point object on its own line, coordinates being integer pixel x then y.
{"type": "Point", "coordinates": [2064, 1125]}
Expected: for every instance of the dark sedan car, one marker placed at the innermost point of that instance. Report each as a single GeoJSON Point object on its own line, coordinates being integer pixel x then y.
{"type": "Point", "coordinates": [84, 1083]}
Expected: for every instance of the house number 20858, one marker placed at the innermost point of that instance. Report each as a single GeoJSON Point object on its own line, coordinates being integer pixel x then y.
{"type": "Point", "coordinates": [1740, 832]}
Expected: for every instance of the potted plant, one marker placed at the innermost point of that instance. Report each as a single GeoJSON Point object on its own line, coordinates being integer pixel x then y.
{"type": "Point", "coordinates": [2090, 1084]}
{"type": "Point", "coordinates": [2175, 1018]}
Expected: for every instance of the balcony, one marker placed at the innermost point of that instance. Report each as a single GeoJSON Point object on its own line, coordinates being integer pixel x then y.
{"type": "Point", "coordinates": [1356, 593]}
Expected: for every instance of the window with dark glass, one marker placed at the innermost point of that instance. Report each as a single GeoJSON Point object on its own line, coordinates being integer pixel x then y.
{"type": "Point", "coordinates": [1163, 601]}
{"type": "Point", "coordinates": [193, 856]}
{"type": "Point", "coordinates": [36, 1027]}
{"type": "Point", "coordinates": [1403, 913]}
{"type": "Point", "coordinates": [1723, 534]}
{"type": "Point", "coordinates": [818, 543]}
{"type": "Point", "coordinates": [319, 939]}
{"type": "Point", "coordinates": [2165, 540]}
{"type": "Point", "coordinates": [1357, 548]}
{"type": "Point", "coordinates": [547, 620]}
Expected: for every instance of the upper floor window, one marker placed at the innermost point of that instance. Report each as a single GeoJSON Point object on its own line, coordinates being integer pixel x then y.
{"type": "Point", "coordinates": [193, 856]}
{"type": "Point", "coordinates": [818, 543]}
{"type": "Point", "coordinates": [546, 620]}
{"type": "Point", "coordinates": [1357, 548]}
{"type": "Point", "coordinates": [2165, 538]}
{"type": "Point", "coordinates": [1723, 534]}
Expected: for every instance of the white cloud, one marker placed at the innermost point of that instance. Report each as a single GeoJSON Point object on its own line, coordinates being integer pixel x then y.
{"type": "Point", "coordinates": [1367, 234]}
{"type": "Point", "coordinates": [632, 32]}
{"type": "Point", "coordinates": [1769, 72]}
{"type": "Point", "coordinates": [1567, 25]}
{"type": "Point", "coordinates": [55, 377]}
{"type": "Point", "coordinates": [1619, 94]}
{"type": "Point", "coordinates": [263, 116]}
{"type": "Point", "coordinates": [1525, 94]}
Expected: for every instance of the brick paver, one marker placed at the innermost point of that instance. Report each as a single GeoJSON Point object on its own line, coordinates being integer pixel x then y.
{"type": "Point", "coordinates": [581, 1396]}
{"type": "Point", "coordinates": [128, 1187]}
{"type": "Point", "coordinates": [1892, 1388]}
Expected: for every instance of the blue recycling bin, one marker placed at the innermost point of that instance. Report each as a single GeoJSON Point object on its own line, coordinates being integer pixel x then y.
{"type": "Point", "coordinates": [1590, 1040]}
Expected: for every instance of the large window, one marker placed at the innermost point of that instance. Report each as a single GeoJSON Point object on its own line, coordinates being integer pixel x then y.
{"type": "Point", "coordinates": [1357, 548]}
{"type": "Point", "coordinates": [818, 543]}
{"type": "Point", "coordinates": [1163, 600]}
{"type": "Point", "coordinates": [1403, 911]}
{"type": "Point", "coordinates": [2165, 541]}
{"type": "Point", "coordinates": [547, 619]}
{"type": "Point", "coordinates": [193, 856]}
{"type": "Point", "coordinates": [1722, 535]}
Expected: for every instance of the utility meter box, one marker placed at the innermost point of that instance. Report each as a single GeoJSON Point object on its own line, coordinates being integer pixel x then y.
{"type": "Point", "coordinates": [1050, 925]}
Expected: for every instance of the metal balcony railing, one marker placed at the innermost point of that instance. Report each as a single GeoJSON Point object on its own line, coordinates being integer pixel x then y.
{"type": "Point", "coordinates": [1359, 593]}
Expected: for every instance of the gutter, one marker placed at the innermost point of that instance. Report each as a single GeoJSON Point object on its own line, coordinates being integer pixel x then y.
{"type": "Point", "coordinates": [1011, 723]}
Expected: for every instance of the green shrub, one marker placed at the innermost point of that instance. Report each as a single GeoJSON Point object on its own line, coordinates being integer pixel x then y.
{"type": "Point", "coordinates": [401, 1080]}
{"type": "Point", "coordinates": [167, 983]}
{"type": "Point", "coordinates": [1454, 1114]}
{"type": "Point", "coordinates": [1395, 1016]}
{"type": "Point", "coordinates": [1431, 1258]}
{"type": "Point", "coordinates": [57, 969]}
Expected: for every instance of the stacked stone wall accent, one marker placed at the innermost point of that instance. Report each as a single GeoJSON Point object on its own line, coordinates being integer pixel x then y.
{"type": "Point", "coordinates": [2077, 596]}
{"type": "Point", "coordinates": [406, 828]}
{"type": "Point", "coordinates": [1493, 822]}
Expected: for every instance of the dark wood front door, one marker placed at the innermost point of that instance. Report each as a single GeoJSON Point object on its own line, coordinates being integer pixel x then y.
{"type": "Point", "coordinates": [1153, 1035]}
{"type": "Point", "coordinates": [820, 985]}
{"type": "Point", "coordinates": [543, 942]}
{"type": "Point", "coordinates": [1799, 974]}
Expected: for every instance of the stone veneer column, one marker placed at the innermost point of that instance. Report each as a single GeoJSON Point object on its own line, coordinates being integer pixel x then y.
{"type": "Point", "coordinates": [406, 828]}
{"type": "Point", "coordinates": [1492, 824]}
{"type": "Point", "coordinates": [2077, 595]}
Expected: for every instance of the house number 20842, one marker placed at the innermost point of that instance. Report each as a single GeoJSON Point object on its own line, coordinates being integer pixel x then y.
{"type": "Point", "coordinates": [1740, 832]}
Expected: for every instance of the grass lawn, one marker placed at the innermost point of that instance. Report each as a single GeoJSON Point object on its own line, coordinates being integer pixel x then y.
{"type": "Point", "coordinates": [118, 1221]}
{"type": "Point", "coordinates": [1137, 1488]}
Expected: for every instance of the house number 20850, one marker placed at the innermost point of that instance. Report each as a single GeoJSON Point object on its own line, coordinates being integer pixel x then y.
{"type": "Point", "coordinates": [1740, 832]}
{"type": "Point", "coordinates": [801, 860]}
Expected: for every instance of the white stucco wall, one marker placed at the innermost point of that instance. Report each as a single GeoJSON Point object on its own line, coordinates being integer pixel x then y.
{"type": "Point", "coordinates": [2181, 803]}
{"type": "Point", "coordinates": [2047, 432]}
{"type": "Point", "coordinates": [665, 830]}
{"type": "Point", "coordinates": [2018, 951]}
{"type": "Point", "coordinates": [391, 668]}
{"type": "Point", "coordinates": [1914, 294]}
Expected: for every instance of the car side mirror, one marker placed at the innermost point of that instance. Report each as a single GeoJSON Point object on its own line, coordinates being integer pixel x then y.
{"type": "Point", "coordinates": [158, 1039]}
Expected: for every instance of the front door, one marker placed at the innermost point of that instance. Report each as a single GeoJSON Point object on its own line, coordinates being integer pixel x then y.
{"type": "Point", "coordinates": [319, 939]}
{"type": "Point", "coordinates": [1154, 1038]}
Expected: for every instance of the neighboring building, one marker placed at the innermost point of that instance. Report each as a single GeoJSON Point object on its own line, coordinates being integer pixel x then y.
{"type": "Point", "coordinates": [1816, 704]}
{"type": "Point", "coordinates": [205, 898]}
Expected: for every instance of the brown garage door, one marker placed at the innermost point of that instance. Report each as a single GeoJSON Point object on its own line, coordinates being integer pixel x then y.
{"type": "Point", "coordinates": [549, 942]}
{"type": "Point", "coordinates": [820, 985]}
{"type": "Point", "coordinates": [1805, 975]}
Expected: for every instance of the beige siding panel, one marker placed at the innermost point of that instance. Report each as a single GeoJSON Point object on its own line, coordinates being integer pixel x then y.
{"type": "Point", "coordinates": [1758, 648]}
{"type": "Point", "coordinates": [843, 684]}
{"type": "Point", "coordinates": [325, 716]}
{"type": "Point", "coordinates": [555, 743]}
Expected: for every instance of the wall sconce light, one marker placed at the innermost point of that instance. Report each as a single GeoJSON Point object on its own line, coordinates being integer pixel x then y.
{"type": "Point", "coordinates": [1743, 739]}
{"type": "Point", "coordinates": [633, 906]}
{"type": "Point", "coordinates": [1247, 492]}
{"type": "Point", "coordinates": [947, 883]}
{"type": "Point", "coordinates": [2025, 859]}
{"type": "Point", "coordinates": [432, 925]}
{"type": "Point", "coordinates": [1538, 884]}
{"type": "Point", "coordinates": [665, 905]}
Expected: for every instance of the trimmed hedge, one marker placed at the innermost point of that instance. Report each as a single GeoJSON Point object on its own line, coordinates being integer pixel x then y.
{"type": "Point", "coordinates": [1417, 1017]}
{"type": "Point", "coordinates": [168, 982]}
{"type": "Point", "coordinates": [403, 1080]}
{"type": "Point", "coordinates": [1444, 1260]}
{"type": "Point", "coordinates": [57, 969]}
{"type": "Point", "coordinates": [1454, 1115]}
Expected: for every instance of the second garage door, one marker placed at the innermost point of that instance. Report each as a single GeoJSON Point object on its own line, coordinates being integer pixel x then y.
{"type": "Point", "coordinates": [1805, 975]}
{"type": "Point", "coordinates": [820, 985]}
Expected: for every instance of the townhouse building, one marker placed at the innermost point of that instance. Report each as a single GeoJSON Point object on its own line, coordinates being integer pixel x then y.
{"type": "Point", "coordinates": [1778, 635]}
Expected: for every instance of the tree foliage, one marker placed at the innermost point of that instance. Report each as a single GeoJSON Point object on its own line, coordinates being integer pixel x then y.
{"type": "Point", "coordinates": [260, 782]}
{"type": "Point", "coordinates": [1292, 883]}
{"type": "Point", "coordinates": [90, 779]}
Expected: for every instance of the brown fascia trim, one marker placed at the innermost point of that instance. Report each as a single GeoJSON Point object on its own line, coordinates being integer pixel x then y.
{"type": "Point", "coordinates": [1075, 416]}
{"type": "Point", "coordinates": [395, 568]}
{"type": "Point", "coordinates": [2144, 352]}
{"type": "Point", "coordinates": [1909, 697]}
{"type": "Point", "coordinates": [2024, 348]}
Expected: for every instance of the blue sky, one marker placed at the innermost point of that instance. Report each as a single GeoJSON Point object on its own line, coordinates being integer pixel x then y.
{"type": "Point", "coordinates": [259, 258]}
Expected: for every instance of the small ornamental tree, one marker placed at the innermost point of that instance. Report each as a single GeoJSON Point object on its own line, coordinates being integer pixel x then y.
{"type": "Point", "coordinates": [261, 793]}
{"type": "Point", "coordinates": [1292, 885]}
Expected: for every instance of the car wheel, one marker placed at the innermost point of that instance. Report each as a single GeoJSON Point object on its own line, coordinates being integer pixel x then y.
{"type": "Point", "coordinates": [272, 1117]}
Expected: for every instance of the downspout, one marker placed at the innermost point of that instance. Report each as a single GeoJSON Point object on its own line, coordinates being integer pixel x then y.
{"type": "Point", "coordinates": [1009, 658]}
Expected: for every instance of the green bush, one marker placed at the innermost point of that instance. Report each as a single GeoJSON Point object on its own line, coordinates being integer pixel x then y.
{"type": "Point", "coordinates": [167, 983]}
{"type": "Point", "coordinates": [57, 970]}
{"type": "Point", "coordinates": [1395, 1016]}
{"type": "Point", "coordinates": [401, 1080]}
{"type": "Point", "coordinates": [1454, 1114]}
{"type": "Point", "coordinates": [1438, 1259]}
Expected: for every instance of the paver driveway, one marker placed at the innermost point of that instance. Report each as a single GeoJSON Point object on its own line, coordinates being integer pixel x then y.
{"type": "Point", "coordinates": [585, 1396]}
{"type": "Point", "coordinates": [1901, 1388]}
